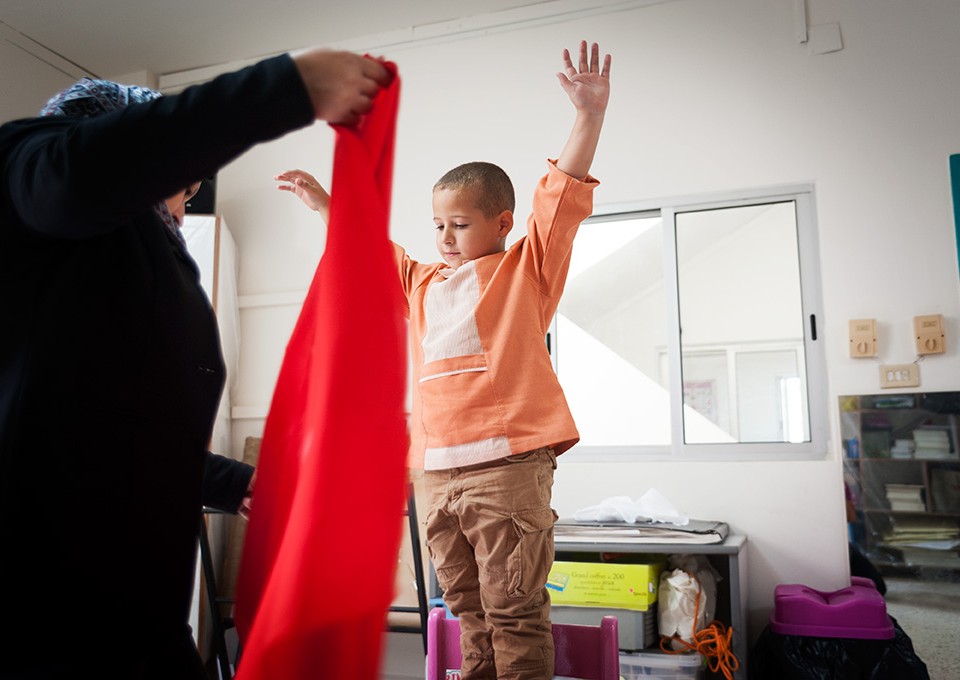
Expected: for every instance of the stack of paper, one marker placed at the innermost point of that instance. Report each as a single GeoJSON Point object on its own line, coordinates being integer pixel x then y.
{"type": "Point", "coordinates": [944, 557]}
{"type": "Point", "coordinates": [906, 497]}
{"type": "Point", "coordinates": [694, 531]}
{"type": "Point", "coordinates": [926, 541]}
{"type": "Point", "coordinates": [650, 519]}
{"type": "Point", "coordinates": [926, 532]}
{"type": "Point", "coordinates": [932, 444]}
{"type": "Point", "coordinates": [902, 448]}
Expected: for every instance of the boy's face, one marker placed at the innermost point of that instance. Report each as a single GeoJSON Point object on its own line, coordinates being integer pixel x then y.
{"type": "Point", "coordinates": [463, 231]}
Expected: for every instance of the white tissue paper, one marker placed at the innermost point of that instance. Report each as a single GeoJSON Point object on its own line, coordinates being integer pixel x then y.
{"type": "Point", "coordinates": [651, 507]}
{"type": "Point", "coordinates": [690, 579]}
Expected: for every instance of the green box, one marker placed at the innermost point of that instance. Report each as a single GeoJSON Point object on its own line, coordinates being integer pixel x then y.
{"type": "Point", "coordinates": [605, 584]}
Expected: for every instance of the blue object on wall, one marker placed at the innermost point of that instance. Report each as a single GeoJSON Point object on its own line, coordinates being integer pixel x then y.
{"type": "Point", "coordinates": [955, 189]}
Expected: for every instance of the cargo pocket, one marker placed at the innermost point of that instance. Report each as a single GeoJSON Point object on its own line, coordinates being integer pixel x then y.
{"type": "Point", "coordinates": [530, 560]}
{"type": "Point", "coordinates": [449, 552]}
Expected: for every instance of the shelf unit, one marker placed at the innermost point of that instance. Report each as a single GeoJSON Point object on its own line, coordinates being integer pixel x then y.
{"type": "Point", "coordinates": [728, 558]}
{"type": "Point", "coordinates": [903, 473]}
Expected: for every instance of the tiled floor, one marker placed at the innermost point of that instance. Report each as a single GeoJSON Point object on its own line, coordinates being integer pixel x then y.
{"type": "Point", "coordinates": [929, 612]}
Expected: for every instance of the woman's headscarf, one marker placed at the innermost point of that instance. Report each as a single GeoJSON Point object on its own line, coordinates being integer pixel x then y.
{"type": "Point", "coordinates": [90, 97]}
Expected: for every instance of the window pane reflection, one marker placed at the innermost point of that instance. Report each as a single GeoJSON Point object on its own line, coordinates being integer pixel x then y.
{"type": "Point", "coordinates": [741, 320]}
{"type": "Point", "coordinates": [611, 333]}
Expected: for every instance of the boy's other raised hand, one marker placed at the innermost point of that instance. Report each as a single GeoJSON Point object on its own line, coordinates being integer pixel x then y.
{"type": "Point", "coordinates": [588, 84]}
{"type": "Point", "coordinates": [305, 187]}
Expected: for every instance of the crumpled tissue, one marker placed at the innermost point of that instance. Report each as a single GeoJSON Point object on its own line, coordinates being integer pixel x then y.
{"type": "Point", "coordinates": [650, 507]}
{"type": "Point", "coordinates": [687, 599]}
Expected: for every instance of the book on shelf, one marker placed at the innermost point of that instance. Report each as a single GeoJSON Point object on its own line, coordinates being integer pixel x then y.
{"type": "Point", "coordinates": [695, 531]}
{"type": "Point", "coordinates": [904, 490]}
{"type": "Point", "coordinates": [902, 448]}
{"type": "Point", "coordinates": [906, 497]}
{"type": "Point", "coordinates": [926, 557]}
{"type": "Point", "coordinates": [907, 506]}
{"type": "Point", "coordinates": [933, 443]}
{"type": "Point", "coordinates": [921, 530]}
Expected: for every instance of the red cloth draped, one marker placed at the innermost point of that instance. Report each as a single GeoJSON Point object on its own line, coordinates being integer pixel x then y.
{"type": "Point", "coordinates": [317, 572]}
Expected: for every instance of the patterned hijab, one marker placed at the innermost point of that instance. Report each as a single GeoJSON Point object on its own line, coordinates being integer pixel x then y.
{"type": "Point", "coordinates": [88, 98]}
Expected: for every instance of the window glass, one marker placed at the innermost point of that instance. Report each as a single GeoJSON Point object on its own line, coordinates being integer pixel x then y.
{"type": "Point", "coordinates": [738, 273]}
{"type": "Point", "coordinates": [611, 331]}
{"type": "Point", "coordinates": [689, 329]}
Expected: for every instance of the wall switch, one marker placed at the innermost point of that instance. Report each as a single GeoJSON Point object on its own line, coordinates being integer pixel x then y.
{"type": "Point", "coordinates": [929, 333]}
{"type": "Point", "coordinates": [900, 375]}
{"type": "Point", "coordinates": [863, 338]}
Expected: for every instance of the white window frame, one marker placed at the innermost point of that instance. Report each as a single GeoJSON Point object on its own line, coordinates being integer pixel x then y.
{"type": "Point", "coordinates": [812, 309]}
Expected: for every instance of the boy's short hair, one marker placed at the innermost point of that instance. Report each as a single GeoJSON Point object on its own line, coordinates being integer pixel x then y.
{"type": "Point", "coordinates": [494, 190]}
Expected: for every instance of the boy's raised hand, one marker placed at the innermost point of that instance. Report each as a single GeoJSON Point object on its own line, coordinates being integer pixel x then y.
{"type": "Point", "coordinates": [306, 187]}
{"type": "Point", "coordinates": [589, 90]}
{"type": "Point", "coordinates": [589, 85]}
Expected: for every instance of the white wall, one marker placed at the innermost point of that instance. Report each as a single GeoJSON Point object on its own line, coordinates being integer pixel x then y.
{"type": "Point", "coordinates": [30, 74]}
{"type": "Point", "coordinates": [26, 81]}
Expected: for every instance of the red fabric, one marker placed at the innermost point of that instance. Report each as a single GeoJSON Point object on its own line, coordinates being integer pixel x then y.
{"type": "Point", "coordinates": [316, 575]}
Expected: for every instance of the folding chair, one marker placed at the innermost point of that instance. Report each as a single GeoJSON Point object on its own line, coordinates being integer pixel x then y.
{"type": "Point", "coordinates": [220, 622]}
{"type": "Point", "coordinates": [420, 580]}
{"type": "Point", "coordinates": [588, 652]}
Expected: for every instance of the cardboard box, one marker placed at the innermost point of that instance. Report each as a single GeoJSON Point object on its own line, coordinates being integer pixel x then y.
{"type": "Point", "coordinates": [605, 584]}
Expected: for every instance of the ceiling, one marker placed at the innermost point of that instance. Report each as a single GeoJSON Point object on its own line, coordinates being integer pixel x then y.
{"type": "Point", "coordinates": [110, 38]}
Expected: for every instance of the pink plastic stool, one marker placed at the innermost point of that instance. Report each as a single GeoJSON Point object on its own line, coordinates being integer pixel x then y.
{"type": "Point", "coordinates": [857, 611]}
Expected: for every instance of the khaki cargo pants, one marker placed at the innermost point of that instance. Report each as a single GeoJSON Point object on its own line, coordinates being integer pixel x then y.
{"type": "Point", "coordinates": [489, 532]}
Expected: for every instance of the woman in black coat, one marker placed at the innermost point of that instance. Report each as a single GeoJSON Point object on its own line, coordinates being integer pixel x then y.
{"type": "Point", "coordinates": [110, 361]}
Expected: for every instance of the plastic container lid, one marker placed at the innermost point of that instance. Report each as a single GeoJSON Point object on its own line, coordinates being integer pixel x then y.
{"type": "Point", "coordinates": [658, 659]}
{"type": "Point", "coordinates": [857, 612]}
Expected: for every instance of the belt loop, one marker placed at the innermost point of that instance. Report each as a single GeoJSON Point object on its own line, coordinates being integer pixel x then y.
{"type": "Point", "coordinates": [552, 456]}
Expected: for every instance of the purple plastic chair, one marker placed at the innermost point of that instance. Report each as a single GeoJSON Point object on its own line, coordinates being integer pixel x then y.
{"type": "Point", "coordinates": [588, 652]}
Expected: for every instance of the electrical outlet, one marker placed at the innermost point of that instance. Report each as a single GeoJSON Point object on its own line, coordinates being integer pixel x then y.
{"type": "Point", "coordinates": [900, 375]}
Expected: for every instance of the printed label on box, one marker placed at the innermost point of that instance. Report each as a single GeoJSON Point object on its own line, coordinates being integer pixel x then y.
{"type": "Point", "coordinates": [627, 586]}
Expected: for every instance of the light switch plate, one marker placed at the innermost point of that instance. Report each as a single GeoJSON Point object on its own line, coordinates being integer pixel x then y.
{"type": "Point", "coordinates": [899, 375]}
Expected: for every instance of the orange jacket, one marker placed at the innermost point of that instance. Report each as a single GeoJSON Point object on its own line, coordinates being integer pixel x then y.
{"type": "Point", "coordinates": [484, 386]}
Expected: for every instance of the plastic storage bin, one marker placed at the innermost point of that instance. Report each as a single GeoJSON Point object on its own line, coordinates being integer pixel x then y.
{"type": "Point", "coordinates": [857, 611]}
{"type": "Point", "coordinates": [636, 630]}
{"type": "Point", "coordinates": [654, 664]}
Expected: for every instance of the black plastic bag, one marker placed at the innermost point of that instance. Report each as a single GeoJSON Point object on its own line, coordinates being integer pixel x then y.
{"type": "Point", "coordinates": [796, 657]}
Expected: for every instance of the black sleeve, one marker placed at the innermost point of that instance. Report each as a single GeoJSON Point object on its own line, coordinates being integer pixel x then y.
{"type": "Point", "coordinates": [225, 482]}
{"type": "Point", "coordinates": [78, 177]}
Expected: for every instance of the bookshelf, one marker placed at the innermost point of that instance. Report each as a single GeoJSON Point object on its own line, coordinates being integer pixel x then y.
{"type": "Point", "coordinates": [902, 469]}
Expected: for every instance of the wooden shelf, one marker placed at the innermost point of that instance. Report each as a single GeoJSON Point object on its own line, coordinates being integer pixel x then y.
{"type": "Point", "coordinates": [871, 425]}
